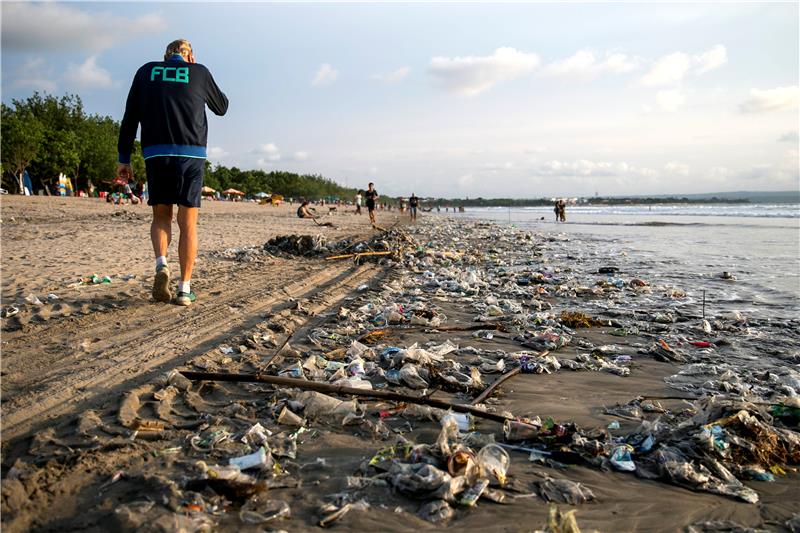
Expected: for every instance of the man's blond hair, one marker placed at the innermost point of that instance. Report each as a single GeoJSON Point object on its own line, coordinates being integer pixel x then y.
{"type": "Point", "coordinates": [178, 46]}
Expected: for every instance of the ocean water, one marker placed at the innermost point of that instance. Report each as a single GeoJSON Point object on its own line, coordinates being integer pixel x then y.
{"type": "Point", "coordinates": [685, 246]}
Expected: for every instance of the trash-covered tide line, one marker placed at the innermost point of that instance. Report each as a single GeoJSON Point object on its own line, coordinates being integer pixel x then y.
{"type": "Point", "coordinates": [373, 416]}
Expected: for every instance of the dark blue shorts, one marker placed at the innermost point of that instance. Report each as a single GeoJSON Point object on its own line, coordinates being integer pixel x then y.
{"type": "Point", "coordinates": [175, 180]}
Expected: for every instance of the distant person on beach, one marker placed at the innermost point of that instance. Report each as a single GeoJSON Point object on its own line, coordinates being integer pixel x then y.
{"type": "Point", "coordinates": [358, 203]}
{"type": "Point", "coordinates": [168, 98]}
{"type": "Point", "coordinates": [557, 209]}
{"type": "Point", "coordinates": [305, 212]}
{"type": "Point", "coordinates": [413, 203]}
{"type": "Point", "coordinates": [371, 195]}
{"type": "Point", "coordinates": [562, 210]}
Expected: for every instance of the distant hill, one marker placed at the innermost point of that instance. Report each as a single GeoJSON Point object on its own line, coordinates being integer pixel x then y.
{"type": "Point", "coordinates": [777, 197]}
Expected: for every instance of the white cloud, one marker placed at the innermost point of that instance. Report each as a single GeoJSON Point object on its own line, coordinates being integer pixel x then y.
{"type": "Point", "coordinates": [50, 26]}
{"type": "Point", "coordinates": [35, 74]}
{"type": "Point", "coordinates": [325, 76]}
{"type": "Point", "coordinates": [395, 76]}
{"type": "Point", "coordinates": [585, 168]}
{"type": "Point", "coordinates": [216, 153]}
{"type": "Point", "coordinates": [88, 75]}
{"type": "Point", "coordinates": [270, 150]}
{"type": "Point", "coordinates": [586, 63]}
{"type": "Point", "coordinates": [719, 174]}
{"type": "Point", "coordinates": [674, 167]}
{"type": "Point", "coordinates": [373, 170]}
{"type": "Point", "coordinates": [472, 75]}
{"type": "Point", "coordinates": [673, 68]}
{"type": "Point", "coordinates": [789, 137]}
{"type": "Point", "coordinates": [711, 59]}
{"type": "Point", "coordinates": [669, 69]}
{"type": "Point", "coordinates": [536, 150]}
{"type": "Point", "coordinates": [670, 100]}
{"type": "Point", "coordinates": [777, 99]}
{"type": "Point", "coordinates": [466, 180]}
{"type": "Point", "coordinates": [496, 167]}
{"type": "Point", "coordinates": [300, 155]}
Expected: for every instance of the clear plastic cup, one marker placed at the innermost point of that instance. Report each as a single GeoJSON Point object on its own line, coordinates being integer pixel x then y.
{"type": "Point", "coordinates": [494, 462]}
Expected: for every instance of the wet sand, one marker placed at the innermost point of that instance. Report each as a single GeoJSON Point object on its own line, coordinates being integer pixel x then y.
{"type": "Point", "coordinates": [83, 350]}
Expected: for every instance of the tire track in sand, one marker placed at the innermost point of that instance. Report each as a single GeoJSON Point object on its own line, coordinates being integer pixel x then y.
{"type": "Point", "coordinates": [170, 339]}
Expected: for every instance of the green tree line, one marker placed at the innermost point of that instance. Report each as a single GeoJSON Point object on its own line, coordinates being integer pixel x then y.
{"type": "Point", "coordinates": [288, 184]}
{"type": "Point", "coordinates": [46, 135]}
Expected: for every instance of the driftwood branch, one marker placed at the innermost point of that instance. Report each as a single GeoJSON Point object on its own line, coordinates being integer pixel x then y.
{"type": "Point", "coordinates": [488, 391]}
{"type": "Point", "coordinates": [402, 329]}
{"type": "Point", "coordinates": [347, 391]}
{"type": "Point", "coordinates": [362, 254]}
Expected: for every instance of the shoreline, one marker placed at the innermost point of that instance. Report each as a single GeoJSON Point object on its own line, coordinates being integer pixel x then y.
{"type": "Point", "coordinates": [253, 301]}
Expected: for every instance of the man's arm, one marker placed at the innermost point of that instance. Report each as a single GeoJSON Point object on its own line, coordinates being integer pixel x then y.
{"type": "Point", "coordinates": [130, 123]}
{"type": "Point", "coordinates": [216, 100]}
{"type": "Point", "coordinates": [127, 132]}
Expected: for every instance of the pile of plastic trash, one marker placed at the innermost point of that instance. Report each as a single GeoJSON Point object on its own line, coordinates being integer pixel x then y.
{"type": "Point", "coordinates": [484, 283]}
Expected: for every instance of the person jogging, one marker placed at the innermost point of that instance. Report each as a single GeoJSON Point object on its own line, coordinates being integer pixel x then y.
{"type": "Point", "coordinates": [371, 196]}
{"type": "Point", "coordinates": [168, 98]}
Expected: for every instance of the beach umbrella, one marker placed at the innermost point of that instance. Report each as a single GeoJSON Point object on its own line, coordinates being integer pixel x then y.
{"type": "Point", "coordinates": [208, 190]}
{"type": "Point", "coordinates": [262, 195]}
{"type": "Point", "coordinates": [233, 191]}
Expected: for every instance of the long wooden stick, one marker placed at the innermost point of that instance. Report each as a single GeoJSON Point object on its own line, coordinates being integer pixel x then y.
{"type": "Point", "coordinates": [337, 389]}
{"type": "Point", "coordinates": [388, 331]}
{"type": "Point", "coordinates": [488, 391]}
{"type": "Point", "coordinates": [362, 254]}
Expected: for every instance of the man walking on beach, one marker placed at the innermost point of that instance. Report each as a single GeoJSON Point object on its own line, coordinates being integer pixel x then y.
{"type": "Point", "coordinates": [358, 203]}
{"type": "Point", "coordinates": [413, 203]}
{"type": "Point", "coordinates": [168, 99]}
{"type": "Point", "coordinates": [372, 196]}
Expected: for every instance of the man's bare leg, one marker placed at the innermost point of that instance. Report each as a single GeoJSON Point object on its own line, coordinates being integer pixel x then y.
{"type": "Point", "coordinates": [187, 246]}
{"type": "Point", "coordinates": [161, 236]}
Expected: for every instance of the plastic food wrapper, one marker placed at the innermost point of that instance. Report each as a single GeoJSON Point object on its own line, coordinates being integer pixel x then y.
{"type": "Point", "coordinates": [621, 458]}
{"type": "Point", "coordinates": [471, 495]}
{"type": "Point", "coordinates": [259, 459]}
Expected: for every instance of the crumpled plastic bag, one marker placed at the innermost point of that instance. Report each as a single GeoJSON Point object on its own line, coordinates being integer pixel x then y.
{"type": "Point", "coordinates": [564, 491]}
{"type": "Point", "coordinates": [415, 354]}
{"type": "Point", "coordinates": [448, 436]}
{"type": "Point", "coordinates": [539, 365]}
{"type": "Point", "coordinates": [410, 377]}
{"type": "Point", "coordinates": [425, 481]}
{"type": "Point", "coordinates": [676, 469]}
{"type": "Point", "coordinates": [317, 405]}
{"type": "Point", "coordinates": [436, 511]}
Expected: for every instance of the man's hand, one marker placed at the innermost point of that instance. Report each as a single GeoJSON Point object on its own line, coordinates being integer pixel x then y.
{"type": "Point", "coordinates": [125, 171]}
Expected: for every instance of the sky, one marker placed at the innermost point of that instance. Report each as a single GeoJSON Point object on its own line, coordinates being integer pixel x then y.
{"type": "Point", "coordinates": [471, 100]}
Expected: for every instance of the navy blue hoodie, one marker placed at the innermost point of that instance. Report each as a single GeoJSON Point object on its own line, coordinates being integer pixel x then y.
{"type": "Point", "coordinates": [169, 99]}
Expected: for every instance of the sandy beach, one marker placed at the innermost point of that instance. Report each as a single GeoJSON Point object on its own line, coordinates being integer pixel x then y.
{"type": "Point", "coordinates": [77, 354]}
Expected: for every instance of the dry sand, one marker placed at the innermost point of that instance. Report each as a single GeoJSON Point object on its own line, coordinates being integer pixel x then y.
{"type": "Point", "coordinates": [92, 343]}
